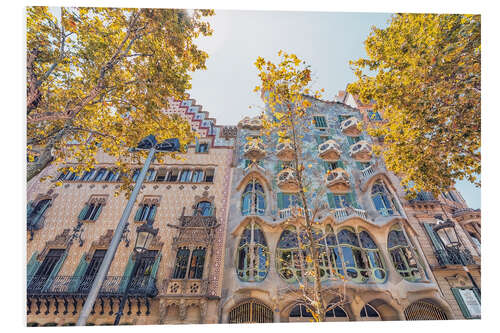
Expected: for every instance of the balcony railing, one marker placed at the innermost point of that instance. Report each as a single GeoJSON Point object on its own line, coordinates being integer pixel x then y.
{"type": "Point", "coordinates": [367, 172]}
{"type": "Point", "coordinates": [341, 214]}
{"type": "Point", "coordinates": [292, 211]}
{"type": "Point", "coordinates": [144, 286]}
{"type": "Point", "coordinates": [454, 257]}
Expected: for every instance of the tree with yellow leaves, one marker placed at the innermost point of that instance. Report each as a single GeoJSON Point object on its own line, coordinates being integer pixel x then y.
{"type": "Point", "coordinates": [428, 86]}
{"type": "Point", "coordinates": [286, 91]}
{"type": "Point", "coordinates": [100, 79]}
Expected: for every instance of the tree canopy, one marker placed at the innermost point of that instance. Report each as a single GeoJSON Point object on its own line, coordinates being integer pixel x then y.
{"type": "Point", "coordinates": [427, 84]}
{"type": "Point", "coordinates": [100, 78]}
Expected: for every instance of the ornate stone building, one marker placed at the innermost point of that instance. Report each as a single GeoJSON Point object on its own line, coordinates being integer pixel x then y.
{"type": "Point", "coordinates": [227, 250]}
{"type": "Point", "coordinates": [396, 269]}
{"type": "Point", "coordinates": [178, 280]}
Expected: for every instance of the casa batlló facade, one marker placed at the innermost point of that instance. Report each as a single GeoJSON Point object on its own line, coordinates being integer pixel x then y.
{"type": "Point", "coordinates": [227, 248]}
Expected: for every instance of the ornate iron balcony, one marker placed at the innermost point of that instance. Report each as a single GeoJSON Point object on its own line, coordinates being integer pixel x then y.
{"type": "Point", "coordinates": [143, 286]}
{"type": "Point", "coordinates": [454, 256]}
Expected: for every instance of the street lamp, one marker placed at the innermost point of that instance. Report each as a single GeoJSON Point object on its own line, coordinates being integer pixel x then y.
{"type": "Point", "coordinates": [148, 143]}
{"type": "Point", "coordinates": [145, 234]}
{"type": "Point", "coordinates": [447, 233]}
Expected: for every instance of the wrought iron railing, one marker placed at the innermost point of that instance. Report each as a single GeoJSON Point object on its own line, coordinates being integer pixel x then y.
{"type": "Point", "coordinates": [424, 197]}
{"type": "Point", "coordinates": [454, 256]}
{"type": "Point", "coordinates": [144, 286]}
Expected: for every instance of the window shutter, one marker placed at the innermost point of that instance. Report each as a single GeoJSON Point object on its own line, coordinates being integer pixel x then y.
{"type": "Point", "coordinates": [127, 273]}
{"type": "Point", "coordinates": [32, 267]}
{"type": "Point", "coordinates": [247, 163]}
{"type": "Point", "coordinates": [138, 213]}
{"type": "Point", "coordinates": [55, 271]}
{"type": "Point", "coordinates": [325, 166]}
{"type": "Point", "coordinates": [29, 208]}
{"type": "Point", "coordinates": [331, 202]}
{"type": "Point", "coordinates": [434, 238]}
{"type": "Point", "coordinates": [318, 139]}
{"type": "Point", "coordinates": [461, 302]}
{"type": "Point", "coordinates": [154, 270]}
{"type": "Point", "coordinates": [79, 272]}
{"type": "Point", "coordinates": [152, 175]}
{"type": "Point", "coordinates": [279, 166]}
{"type": "Point", "coordinates": [351, 197]}
{"type": "Point", "coordinates": [83, 212]}
{"type": "Point", "coordinates": [152, 213]}
{"type": "Point", "coordinates": [98, 212]}
{"type": "Point", "coordinates": [280, 200]}
{"type": "Point", "coordinates": [340, 164]}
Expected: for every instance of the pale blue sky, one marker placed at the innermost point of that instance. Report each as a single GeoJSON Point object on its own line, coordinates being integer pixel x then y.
{"type": "Point", "coordinates": [325, 40]}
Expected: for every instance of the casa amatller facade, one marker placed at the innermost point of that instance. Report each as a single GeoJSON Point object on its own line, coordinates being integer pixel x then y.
{"type": "Point", "coordinates": [227, 247]}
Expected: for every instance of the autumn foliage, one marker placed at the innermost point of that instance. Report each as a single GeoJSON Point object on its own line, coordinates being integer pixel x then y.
{"type": "Point", "coordinates": [427, 85]}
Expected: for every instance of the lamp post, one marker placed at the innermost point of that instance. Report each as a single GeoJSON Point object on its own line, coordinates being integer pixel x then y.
{"type": "Point", "coordinates": [448, 236]}
{"type": "Point", "coordinates": [145, 234]}
{"type": "Point", "coordinates": [149, 143]}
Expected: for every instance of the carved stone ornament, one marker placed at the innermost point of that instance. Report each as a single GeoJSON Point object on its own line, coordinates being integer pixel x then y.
{"type": "Point", "coordinates": [229, 132]}
{"type": "Point", "coordinates": [59, 242]}
{"type": "Point", "coordinates": [97, 199]}
{"type": "Point", "coordinates": [151, 200]}
{"type": "Point", "coordinates": [338, 182]}
{"type": "Point", "coordinates": [101, 244]}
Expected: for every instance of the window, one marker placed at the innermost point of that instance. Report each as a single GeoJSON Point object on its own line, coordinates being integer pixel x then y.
{"type": "Point", "coordinates": [196, 263]}
{"type": "Point", "coordinates": [135, 174]}
{"type": "Point", "coordinates": [203, 208]}
{"type": "Point", "coordinates": [253, 199]}
{"type": "Point", "coordinates": [353, 139]}
{"type": "Point", "coordinates": [373, 255]}
{"type": "Point", "coordinates": [322, 138]}
{"type": "Point", "coordinates": [402, 255]}
{"type": "Point", "coordinates": [422, 310]}
{"type": "Point", "coordinates": [209, 175]}
{"type": "Point", "coordinates": [288, 200]}
{"type": "Point", "coordinates": [289, 256]}
{"type": "Point", "coordinates": [161, 175]}
{"type": "Point", "coordinates": [112, 176]}
{"type": "Point", "coordinates": [197, 176]}
{"type": "Point", "coordinates": [185, 176]}
{"type": "Point", "coordinates": [181, 262]}
{"type": "Point", "coordinates": [145, 212]}
{"type": "Point", "coordinates": [172, 175]}
{"type": "Point", "coordinates": [354, 263]}
{"type": "Point", "coordinates": [330, 259]}
{"type": "Point", "coordinates": [91, 272]}
{"type": "Point", "coordinates": [373, 115]}
{"type": "Point", "coordinates": [252, 254]}
{"type": "Point", "coordinates": [143, 269]}
{"type": "Point", "coordinates": [340, 201]}
{"type": "Point", "coordinates": [319, 121]}
{"type": "Point", "coordinates": [363, 165]}
{"type": "Point", "coordinates": [100, 174]}
{"type": "Point", "coordinates": [90, 212]}
{"type": "Point", "coordinates": [36, 212]}
{"type": "Point", "coordinates": [301, 313]}
{"type": "Point", "coordinates": [383, 200]}
{"type": "Point", "coordinates": [368, 312]}
{"type": "Point", "coordinates": [87, 175]}
{"type": "Point", "coordinates": [202, 148]}
{"type": "Point", "coordinates": [251, 312]}
{"type": "Point", "coordinates": [469, 301]}
{"type": "Point", "coordinates": [71, 176]}
{"type": "Point", "coordinates": [150, 175]}
{"type": "Point", "coordinates": [45, 270]}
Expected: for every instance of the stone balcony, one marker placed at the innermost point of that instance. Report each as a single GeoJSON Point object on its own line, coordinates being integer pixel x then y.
{"type": "Point", "coordinates": [350, 126]}
{"type": "Point", "coordinates": [361, 151]}
{"type": "Point", "coordinates": [342, 214]}
{"type": "Point", "coordinates": [287, 181]}
{"type": "Point", "coordinates": [329, 151]}
{"type": "Point", "coordinates": [254, 150]}
{"type": "Point", "coordinates": [285, 151]}
{"type": "Point", "coordinates": [337, 181]}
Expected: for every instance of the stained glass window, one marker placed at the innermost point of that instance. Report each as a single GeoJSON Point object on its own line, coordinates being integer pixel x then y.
{"type": "Point", "coordinates": [402, 255]}
{"type": "Point", "coordinates": [253, 254]}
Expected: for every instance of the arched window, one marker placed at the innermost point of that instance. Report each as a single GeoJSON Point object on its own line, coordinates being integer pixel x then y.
{"type": "Point", "coordinates": [197, 263]}
{"type": "Point", "coordinates": [368, 312]}
{"type": "Point", "coordinates": [196, 260]}
{"type": "Point", "coordinates": [251, 312]}
{"type": "Point", "coordinates": [422, 310]}
{"type": "Point", "coordinates": [204, 208]}
{"type": "Point", "coordinates": [402, 255]}
{"type": "Point", "coordinates": [288, 256]}
{"type": "Point", "coordinates": [336, 314]}
{"type": "Point", "coordinates": [383, 200]}
{"type": "Point", "coordinates": [253, 199]}
{"type": "Point", "coordinates": [181, 262]}
{"type": "Point", "coordinates": [373, 254]}
{"type": "Point", "coordinates": [352, 255]}
{"type": "Point", "coordinates": [329, 254]}
{"type": "Point", "coordinates": [253, 254]}
{"type": "Point", "coordinates": [300, 313]}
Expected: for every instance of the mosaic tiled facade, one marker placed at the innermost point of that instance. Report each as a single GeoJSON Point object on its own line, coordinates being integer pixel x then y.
{"type": "Point", "coordinates": [235, 209]}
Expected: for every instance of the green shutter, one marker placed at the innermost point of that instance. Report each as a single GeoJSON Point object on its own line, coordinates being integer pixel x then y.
{"type": "Point", "coordinates": [153, 213]}
{"type": "Point", "coordinates": [461, 302]}
{"type": "Point", "coordinates": [54, 272]}
{"type": "Point", "coordinates": [434, 238]}
{"type": "Point", "coordinates": [280, 200]}
{"type": "Point", "coordinates": [138, 213]}
{"type": "Point", "coordinates": [351, 198]}
{"type": "Point", "coordinates": [331, 201]}
{"type": "Point", "coordinates": [32, 267]}
{"type": "Point", "coordinates": [29, 208]}
{"type": "Point", "coordinates": [79, 272]}
{"type": "Point", "coordinates": [340, 164]}
{"type": "Point", "coordinates": [325, 166]}
{"type": "Point", "coordinates": [318, 139]}
{"type": "Point", "coordinates": [154, 270]}
{"type": "Point", "coordinates": [247, 163]}
{"type": "Point", "coordinates": [83, 212]}
{"type": "Point", "coordinates": [127, 273]}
